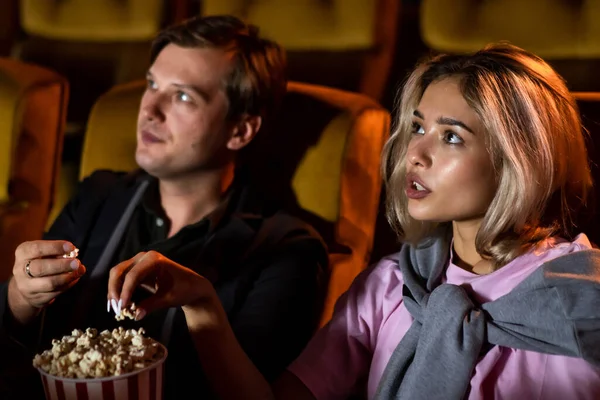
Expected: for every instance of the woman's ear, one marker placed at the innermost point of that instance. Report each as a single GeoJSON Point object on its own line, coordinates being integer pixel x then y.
{"type": "Point", "coordinates": [244, 131]}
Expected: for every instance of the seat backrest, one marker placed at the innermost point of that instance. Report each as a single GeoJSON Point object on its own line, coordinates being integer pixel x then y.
{"type": "Point", "coordinates": [324, 155]}
{"type": "Point", "coordinates": [306, 24]}
{"type": "Point", "coordinates": [553, 29]}
{"type": "Point", "coordinates": [351, 37]}
{"type": "Point", "coordinates": [92, 20]}
{"type": "Point", "coordinates": [33, 103]}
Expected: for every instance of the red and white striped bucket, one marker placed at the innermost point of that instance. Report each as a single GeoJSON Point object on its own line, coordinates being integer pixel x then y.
{"type": "Point", "coordinates": [144, 384]}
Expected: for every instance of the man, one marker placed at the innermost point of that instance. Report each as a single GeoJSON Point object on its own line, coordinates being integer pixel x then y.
{"type": "Point", "coordinates": [212, 84]}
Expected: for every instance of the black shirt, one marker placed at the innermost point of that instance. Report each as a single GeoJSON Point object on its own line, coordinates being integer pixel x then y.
{"type": "Point", "coordinates": [266, 268]}
{"type": "Point", "coordinates": [149, 228]}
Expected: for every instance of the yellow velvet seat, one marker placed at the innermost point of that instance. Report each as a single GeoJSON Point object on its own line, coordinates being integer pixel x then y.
{"type": "Point", "coordinates": [553, 29]}
{"type": "Point", "coordinates": [94, 43]}
{"type": "Point", "coordinates": [92, 20]}
{"type": "Point", "coordinates": [341, 43]}
{"type": "Point", "coordinates": [33, 103]}
{"type": "Point", "coordinates": [328, 145]}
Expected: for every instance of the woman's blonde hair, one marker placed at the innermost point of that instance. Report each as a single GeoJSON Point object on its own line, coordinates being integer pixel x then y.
{"type": "Point", "coordinates": [534, 137]}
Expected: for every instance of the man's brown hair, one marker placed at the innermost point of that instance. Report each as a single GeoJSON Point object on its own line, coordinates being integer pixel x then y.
{"type": "Point", "coordinates": [257, 81]}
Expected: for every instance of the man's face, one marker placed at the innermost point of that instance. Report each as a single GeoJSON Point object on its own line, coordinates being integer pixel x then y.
{"type": "Point", "coordinates": [182, 125]}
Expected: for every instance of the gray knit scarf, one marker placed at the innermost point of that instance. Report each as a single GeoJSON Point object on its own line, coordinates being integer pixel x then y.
{"type": "Point", "coordinates": [556, 310]}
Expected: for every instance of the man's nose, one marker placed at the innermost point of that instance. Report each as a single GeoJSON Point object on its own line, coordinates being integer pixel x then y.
{"type": "Point", "coordinates": [152, 107]}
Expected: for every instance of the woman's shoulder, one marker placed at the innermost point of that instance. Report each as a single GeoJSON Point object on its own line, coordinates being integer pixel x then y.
{"type": "Point", "coordinates": [382, 271]}
{"type": "Point", "coordinates": [378, 280]}
{"type": "Point", "coordinates": [545, 251]}
{"type": "Point", "coordinates": [557, 246]}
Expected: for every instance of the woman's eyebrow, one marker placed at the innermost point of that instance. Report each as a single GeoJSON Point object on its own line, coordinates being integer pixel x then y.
{"type": "Point", "coordinates": [445, 121]}
{"type": "Point", "coordinates": [453, 122]}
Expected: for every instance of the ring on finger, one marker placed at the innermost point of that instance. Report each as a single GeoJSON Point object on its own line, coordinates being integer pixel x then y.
{"type": "Point", "coordinates": [27, 270]}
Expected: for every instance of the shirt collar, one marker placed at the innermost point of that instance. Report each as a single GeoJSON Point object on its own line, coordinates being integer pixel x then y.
{"type": "Point", "coordinates": [152, 206]}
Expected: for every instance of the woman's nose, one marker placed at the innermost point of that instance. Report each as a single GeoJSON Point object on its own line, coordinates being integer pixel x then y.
{"type": "Point", "coordinates": [419, 151]}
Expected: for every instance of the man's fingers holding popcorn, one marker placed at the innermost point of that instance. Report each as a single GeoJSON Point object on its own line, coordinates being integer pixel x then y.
{"type": "Point", "coordinates": [54, 283]}
{"type": "Point", "coordinates": [40, 292]}
{"type": "Point", "coordinates": [40, 273]}
{"type": "Point", "coordinates": [42, 249]}
{"type": "Point", "coordinates": [42, 267]}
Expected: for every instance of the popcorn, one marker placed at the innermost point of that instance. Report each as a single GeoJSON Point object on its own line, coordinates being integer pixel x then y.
{"type": "Point", "coordinates": [91, 355]}
{"type": "Point", "coordinates": [128, 312]}
{"type": "Point", "coordinates": [72, 254]}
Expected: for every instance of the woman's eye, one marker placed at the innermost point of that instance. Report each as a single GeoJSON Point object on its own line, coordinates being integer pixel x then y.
{"type": "Point", "coordinates": [151, 84]}
{"type": "Point", "coordinates": [452, 138]}
{"type": "Point", "coordinates": [182, 96]}
{"type": "Point", "coordinates": [417, 129]}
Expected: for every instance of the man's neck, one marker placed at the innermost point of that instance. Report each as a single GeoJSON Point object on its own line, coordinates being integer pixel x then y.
{"type": "Point", "coordinates": [187, 200]}
{"type": "Point", "coordinates": [465, 252]}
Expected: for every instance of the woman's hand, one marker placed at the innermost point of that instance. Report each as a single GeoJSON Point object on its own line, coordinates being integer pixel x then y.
{"type": "Point", "coordinates": [173, 285]}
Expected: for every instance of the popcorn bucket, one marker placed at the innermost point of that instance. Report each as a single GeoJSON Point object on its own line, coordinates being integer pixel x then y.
{"type": "Point", "coordinates": [143, 384]}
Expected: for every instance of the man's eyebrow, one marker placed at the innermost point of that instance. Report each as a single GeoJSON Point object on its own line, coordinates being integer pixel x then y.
{"type": "Point", "coordinates": [192, 88]}
{"type": "Point", "coordinates": [184, 86]}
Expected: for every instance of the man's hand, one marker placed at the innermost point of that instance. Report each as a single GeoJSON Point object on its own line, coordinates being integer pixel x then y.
{"type": "Point", "coordinates": [173, 285]}
{"type": "Point", "coordinates": [40, 274]}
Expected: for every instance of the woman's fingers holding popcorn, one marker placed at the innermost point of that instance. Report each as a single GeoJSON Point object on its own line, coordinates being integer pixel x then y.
{"type": "Point", "coordinates": [144, 269]}
{"type": "Point", "coordinates": [117, 277]}
{"type": "Point", "coordinates": [171, 284]}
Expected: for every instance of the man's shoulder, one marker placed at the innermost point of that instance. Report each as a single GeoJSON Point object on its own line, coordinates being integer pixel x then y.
{"type": "Point", "coordinates": [287, 228]}
{"type": "Point", "coordinates": [102, 181]}
{"type": "Point", "coordinates": [101, 184]}
{"type": "Point", "coordinates": [282, 233]}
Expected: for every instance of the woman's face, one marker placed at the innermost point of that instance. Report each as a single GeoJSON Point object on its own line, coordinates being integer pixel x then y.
{"type": "Point", "coordinates": [449, 170]}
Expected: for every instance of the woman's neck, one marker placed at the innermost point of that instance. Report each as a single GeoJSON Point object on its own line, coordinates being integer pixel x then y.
{"type": "Point", "coordinates": [465, 252]}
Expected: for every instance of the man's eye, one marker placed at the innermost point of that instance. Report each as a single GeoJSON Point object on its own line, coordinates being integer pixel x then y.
{"type": "Point", "coordinates": [182, 96]}
{"type": "Point", "coordinates": [151, 84]}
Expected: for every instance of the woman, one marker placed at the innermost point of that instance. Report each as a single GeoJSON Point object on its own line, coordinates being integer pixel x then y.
{"type": "Point", "coordinates": [489, 297]}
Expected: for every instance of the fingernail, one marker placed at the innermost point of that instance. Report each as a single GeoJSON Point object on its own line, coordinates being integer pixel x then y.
{"type": "Point", "coordinates": [113, 302]}
{"type": "Point", "coordinates": [108, 305]}
{"type": "Point", "coordinates": [68, 247]}
{"type": "Point", "coordinates": [119, 306]}
{"type": "Point", "coordinates": [74, 265]}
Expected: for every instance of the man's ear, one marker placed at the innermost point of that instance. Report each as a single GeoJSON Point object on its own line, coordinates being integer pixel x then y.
{"type": "Point", "coordinates": [244, 131]}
